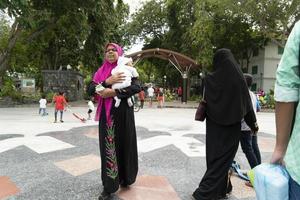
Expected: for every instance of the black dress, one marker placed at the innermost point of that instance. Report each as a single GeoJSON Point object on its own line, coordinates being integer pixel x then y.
{"type": "Point", "coordinates": [118, 143]}
{"type": "Point", "coordinates": [228, 101]}
{"type": "Point", "coordinates": [222, 142]}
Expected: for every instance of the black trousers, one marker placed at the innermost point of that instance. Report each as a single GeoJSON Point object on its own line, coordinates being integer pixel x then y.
{"type": "Point", "coordinates": [250, 148]}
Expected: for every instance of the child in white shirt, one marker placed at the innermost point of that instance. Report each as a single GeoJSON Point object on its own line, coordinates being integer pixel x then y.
{"type": "Point", "coordinates": [43, 105]}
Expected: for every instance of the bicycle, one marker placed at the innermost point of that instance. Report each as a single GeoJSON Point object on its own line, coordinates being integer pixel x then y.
{"type": "Point", "coordinates": [136, 106]}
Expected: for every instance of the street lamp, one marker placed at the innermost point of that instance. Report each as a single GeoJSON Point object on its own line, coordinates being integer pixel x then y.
{"type": "Point", "coordinates": [165, 80]}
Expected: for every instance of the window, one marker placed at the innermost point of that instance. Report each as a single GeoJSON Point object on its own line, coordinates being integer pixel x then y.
{"type": "Point", "coordinates": [255, 52]}
{"type": "Point", "coordinates": [253, 87]}
{"type": "Point", "coordinates": [280, 50]}
{"type": "Point", "coordinates": [254, 69]}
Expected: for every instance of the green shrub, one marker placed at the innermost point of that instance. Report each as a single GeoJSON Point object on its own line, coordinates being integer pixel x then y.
{"type": "Point", "coordinates": [8, 88]}
{"type": "Point", "coordinates": [267, 101]}
{"type": "Point", "coordinates": [169, 96]}
{"type": "Point", "coordinates": [49, 96]}
{"type": "Point", "coordinates": [195, 98]}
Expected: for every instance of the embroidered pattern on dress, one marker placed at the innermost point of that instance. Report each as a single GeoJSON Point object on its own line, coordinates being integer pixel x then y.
{"type": "Point", "coordinates": [111, 158]}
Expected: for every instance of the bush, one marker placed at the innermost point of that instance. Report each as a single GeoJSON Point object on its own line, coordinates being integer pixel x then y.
{"type": "Point", "coordinates": [195, 98]}
{"type": "Point", "coordinates": [9, 90]}
{"type": "Point", "coordinates": [169, 96]}
{"type": "Point", "coordinates": [267, 101]}
{"type": "Point", "coordinates": [49, 96]}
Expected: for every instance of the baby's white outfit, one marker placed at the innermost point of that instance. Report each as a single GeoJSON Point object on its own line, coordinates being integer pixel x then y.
{"type": "Point", "coordinates": [129, 72]}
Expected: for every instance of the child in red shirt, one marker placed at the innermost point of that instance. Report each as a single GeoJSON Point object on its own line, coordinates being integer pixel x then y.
{"type": "Point", "coordinates": [142, 97]}
{"type": "Point", "coordinates": [60, 103]}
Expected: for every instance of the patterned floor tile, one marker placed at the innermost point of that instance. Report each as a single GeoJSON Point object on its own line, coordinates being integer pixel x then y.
{"type": "Point", "coordinates": [240, 190]}
{"type": "Point", "coordinates": [149, 188]}
{"type": "Point", "coordinates": [7, 188]}
{"type": "Point", "coordinates": [92, 133]}
{"type": "Point", "coordinates": [80, 165]}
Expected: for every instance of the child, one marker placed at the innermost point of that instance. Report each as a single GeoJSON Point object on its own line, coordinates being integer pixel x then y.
{"type": "Point", "coordinates": [142, 97]}
{"type": "Point", "coordinates": [60, 103]}
{"type": "Point", "coordinates": [124, 65]}
{"type": "Point", "coordinates": [91, 107]}
{"type": "Point", "coordinates": [248, 139]}
{"type": "Point", "coordinates": [160, 98]}
{"type": "Point", "coordinates": [43, 105]}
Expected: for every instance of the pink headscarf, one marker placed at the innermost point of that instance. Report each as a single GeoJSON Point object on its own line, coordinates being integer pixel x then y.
{"type": "Point", "coordinates": [101, 75]}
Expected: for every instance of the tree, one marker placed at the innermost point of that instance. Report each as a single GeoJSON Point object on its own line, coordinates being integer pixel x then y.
{"type": "Point", "coordinates": [58, 33]}
{"type": "Point", "coordinates": [148, 23]}
{"type": "Point", "coordinates": [274, 18]}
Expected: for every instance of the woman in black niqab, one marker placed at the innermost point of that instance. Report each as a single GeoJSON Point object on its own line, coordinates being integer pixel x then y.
{"type": "Point", "coordinates": [228, 101]}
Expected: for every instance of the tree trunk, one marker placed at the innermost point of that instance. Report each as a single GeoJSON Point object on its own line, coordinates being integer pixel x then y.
{"type": "Point", "coordinates": [13, 36]}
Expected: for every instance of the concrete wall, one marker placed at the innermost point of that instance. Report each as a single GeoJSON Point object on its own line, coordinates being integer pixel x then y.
{"type": "Point", "coordinates": [71, 82]}
{"type": "Point", "coordinates": [267, 62]}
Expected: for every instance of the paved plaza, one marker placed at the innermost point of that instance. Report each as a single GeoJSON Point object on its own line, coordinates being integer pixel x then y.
{"type": "Point", "coordinates": [43, 160]}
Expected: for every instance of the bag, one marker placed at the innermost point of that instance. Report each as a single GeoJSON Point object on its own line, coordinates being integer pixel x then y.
{"type": "Point", "coordinates": [270, 181]}
{"type": "Point", "coordinates": [201, 110]}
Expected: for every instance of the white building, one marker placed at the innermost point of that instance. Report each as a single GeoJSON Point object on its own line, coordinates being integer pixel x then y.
{"type": "Point", "coordinates": [263, 66]}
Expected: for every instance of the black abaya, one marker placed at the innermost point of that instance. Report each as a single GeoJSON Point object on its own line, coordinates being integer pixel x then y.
{"type": "Point", "coordinates": [228, 101]}
{"type": "Point", "coordinates": [118, 148]}
{"type": "Point", "coordinates": [222, 142]}
{"type": "Point", "coordinates": [118, 144]}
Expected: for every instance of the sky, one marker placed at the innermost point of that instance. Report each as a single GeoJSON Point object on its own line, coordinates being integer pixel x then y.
{"type": "Point", "coordinates": [133, 4]}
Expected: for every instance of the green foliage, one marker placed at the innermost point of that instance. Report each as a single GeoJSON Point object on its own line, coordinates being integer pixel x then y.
{"type": "Point", "coordinates": [169, 96]}
{"type": "Point", "coordinates": [9, 90]}
{"type": "Point", "coordinates": [195, 98]}
{"type": "Point", "coordinates": [274, 19]}
{"type": "Point", "coordinates": [4, 32]}
{"type": "Point", "coordinates": [268, 100]}
{"type": "Point", "coordinates": [49, 96]}
{"type": "Point", "coordinates": [53, 34]}
{"type": "Point", "coordinates": [148, 23]}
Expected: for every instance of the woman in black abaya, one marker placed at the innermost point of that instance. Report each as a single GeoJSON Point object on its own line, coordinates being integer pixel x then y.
{"type": "Point", "coordinates": [117, 133]}
{"type": "Point", "coordinates": [228, 101]}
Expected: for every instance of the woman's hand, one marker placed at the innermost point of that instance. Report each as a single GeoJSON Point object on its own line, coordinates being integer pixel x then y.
{"type": "Point", "coordinates": [116, 78]}
{"type": "Point", "coordinates": [107, 92]}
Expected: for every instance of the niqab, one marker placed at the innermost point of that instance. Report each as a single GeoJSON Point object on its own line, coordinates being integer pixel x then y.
{"type": "Point", "coordinates": [226, 92]}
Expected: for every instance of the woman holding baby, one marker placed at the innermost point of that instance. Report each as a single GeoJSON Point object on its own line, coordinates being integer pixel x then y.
{"type": "Point", "coordinates": [117, 133]}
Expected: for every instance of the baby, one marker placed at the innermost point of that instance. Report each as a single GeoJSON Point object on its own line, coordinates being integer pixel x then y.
{"type": "Point", "coordinates": [124, 66]}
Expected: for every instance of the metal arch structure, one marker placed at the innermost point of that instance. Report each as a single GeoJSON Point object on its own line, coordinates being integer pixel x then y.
{"type": "Point", "coordinates": [182, 63]}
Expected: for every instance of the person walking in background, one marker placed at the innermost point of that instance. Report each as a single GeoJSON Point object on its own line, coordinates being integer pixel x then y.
{"type": "Point", "coordinates": [286, 94]}
{"type": "Point", "coordinates": [118, 143]}
{"type": "Point", "coordinates": [160, 98]}
{"type": "Point", "coordinates": [43, 105]}
{"type": "Point", "coordinates": [142, 97]}
{"type": "Point", "coordinates": [91, 107]}
{"type": "Point", "coordinates": [60, 103]}
{"type": "Point", "coordinates": [179, 93]}
{"type": "Point", "coordinates": [150, 92]}
{"type": "Point", "coordinates": [248, 139]}
{"type": "Point", "coordinates": [228, 102]}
